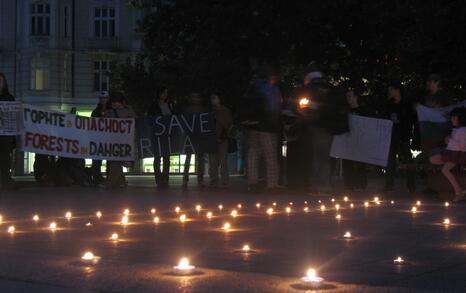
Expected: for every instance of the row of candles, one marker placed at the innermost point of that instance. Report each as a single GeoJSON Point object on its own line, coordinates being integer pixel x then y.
{"type": "Point", "coordinates": [185, 268]}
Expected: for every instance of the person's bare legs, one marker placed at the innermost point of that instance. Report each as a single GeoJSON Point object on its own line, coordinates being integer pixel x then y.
{"type": "Point", "coordinates": [446, 170]}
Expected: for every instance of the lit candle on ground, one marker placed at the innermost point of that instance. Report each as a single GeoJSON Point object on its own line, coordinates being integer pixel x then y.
{"type": "Point", "coordinates": [258, 205]}
{"type": "Point", "coordinates": [126, 212]}
{"type": "Point", "coordinates": [156, 220]}
{"type": "Point", "coordinates": [114, 237]}
{"type": "Point", "coordinates": [177, 210]}
{"type": "Point", "coordinates": [398, 261]}
{"type": "Point", "coordinates": [347, 235]}
{"type": "Point", "coordinates": [209, 215]}
{"type": "Point", "coordinates": [447, 204]}
{"type": "Point", "coordinates": [337, 207]}
{"type": "Point", "coordinates": [351, 205]}
{"type": "Point", "coordinates": [234, 213]}
{"type": "Point", "coordinates": [184, 267]}
{"type": "Point", "coordinates": [446, 221]}
{"type": "Point", "coordinates": [226, 226]}
{"type": "Point", "coordinates": [288, 210]}
{"type": "Point", "coordinates": [152, 211]}
{"type": "Point", "coordinates": [68, 216]}
{"type": "Point", "coordinates": [345, 198]}
{"type": "Point", "coordinates": [414, 210]}
{"type": "Point", "coordinates": [99, 214]}
{"type": "Point", "coordinates": [418, 203]}
{"type": "Point", "coordinates": [198, 208]}
{"type": "Point", "coordinates": [366, 204]}
{"type": "Point", "coordinates": [89, 258]}
{"type": "Point", "coordinates": [183, 218]}
{"type": "Point", "coordinates": [89, 224]}
{"type": "Point", "coordinates": [124, 220]}
{"type": "Point", "coordinates": [220, 207]}
{"type": "Point", "coordinates": [269, 211]}
{"type": "Point", "coordinates": [53, 226]}
{"type": "Point", "coordinates": [322, 207]}
{"type": "Point", "coordinates": [312, 278]}
{"type": "Point", "coordinates": [11, 229]}
{"type": "Point", "coordinates": [338, 217]}
{"type": "Point", "coordinates": [35, 218]}
{"type": "Point", "coordinates": [246, 248]}
{"type": "Point", "coordinates": [306, 209]}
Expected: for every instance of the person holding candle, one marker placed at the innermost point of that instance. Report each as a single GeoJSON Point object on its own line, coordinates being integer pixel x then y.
{"type": "Point", "coordinates": [455, 152]}
{"type": "Point", "coordinates": [6, 142]}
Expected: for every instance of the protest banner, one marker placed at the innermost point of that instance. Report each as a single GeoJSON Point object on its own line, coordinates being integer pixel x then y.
{"type": "Point", "coordinates": [176, 134]}
{"type": "Point", "coordinates": [67, 135]}
{"type": "Point", "coordinates": [10, 118]}
{"type": "Point", "coordinates": [368, 141]}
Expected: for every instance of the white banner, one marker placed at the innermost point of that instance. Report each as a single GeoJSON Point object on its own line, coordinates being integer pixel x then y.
{"type": "Point", "coordinates": [368, 141]}
{"type": "Point", "coordinates": [67, 135]}
{"type": "Point", "coordinates": [10, 118]}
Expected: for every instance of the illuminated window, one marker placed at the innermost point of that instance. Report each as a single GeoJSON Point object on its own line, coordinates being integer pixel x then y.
{"type": "Point", "coordinates": [104, 22]}
{"type": "Point", "coordinates": [40, 73]}
{"type": "Point", "coordinates": [40, 19]}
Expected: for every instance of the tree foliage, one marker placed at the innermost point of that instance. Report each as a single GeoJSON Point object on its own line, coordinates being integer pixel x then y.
{"type": "Point", "coordinates": [215, 44]}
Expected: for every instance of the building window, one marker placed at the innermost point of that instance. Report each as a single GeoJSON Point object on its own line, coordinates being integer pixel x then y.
{"type": "Point", "coordinates": [40, 19]}
{"type": "Point", "coordinates": [102, 71]}
{"type": "Point", "coordinates": [40, 74]}
{"type": "Point", "coordinates": [104, 22]}
{"type": "Point", "coordinates": [66, 18]}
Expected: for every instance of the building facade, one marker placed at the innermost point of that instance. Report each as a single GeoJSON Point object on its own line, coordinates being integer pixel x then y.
{"type": "Point", "coordinates": [59, 54]}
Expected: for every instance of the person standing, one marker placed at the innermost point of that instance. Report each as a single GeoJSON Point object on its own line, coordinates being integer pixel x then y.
{"type": "Point", "coordinates": [354, 173]}
{"type": "Point", "coordinates": [264, 101]}
{"type": "Point", "coordinates": [119, 109]}
{"type": "Point", "coordinates": [402, 114]}
{"type": "Point", "coordinates": [436, 96]}
{"type": "Point", "coordinates": [196, 105]}
{"type": "Point", "coordinates": [224, 123]}
{"type": "Point", "coordinates": [6, 142]}
{"type": "Point", "coordinates": [161, 106]}
{"type": "Point", "coordinates": [99, 112]}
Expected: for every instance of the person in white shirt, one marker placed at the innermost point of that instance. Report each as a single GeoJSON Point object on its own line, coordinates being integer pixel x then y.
{"type": "Point", "coordinates": [455, 152]}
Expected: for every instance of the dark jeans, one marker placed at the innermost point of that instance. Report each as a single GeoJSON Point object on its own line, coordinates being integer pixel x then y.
{"type": "Point", "coordinates": [162, 174]}
{"type": "Point", "coordinates": [200, 168]}
{"type": "Point", "coordinates": [219, 160]}
{"type": "Point", "coordinates": [6, 147]}
{"type": "Point", "coordinates": [400, 152]}
{"type": "Point", "coordinates": [96, 171]}
{"type": "Point", "coordinates": [354, 175]}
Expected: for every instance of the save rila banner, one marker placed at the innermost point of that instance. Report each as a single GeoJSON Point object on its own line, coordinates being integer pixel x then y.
{"type": "Point", "coordinates": [67, 135]}
{"type": "Point", "coordinates": [191, 133]}
{"type": "Point", "coordinates": [10, 118]}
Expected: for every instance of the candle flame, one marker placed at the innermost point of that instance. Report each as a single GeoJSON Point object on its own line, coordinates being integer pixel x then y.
{"type": "Point", "coordinates": [35, 218]}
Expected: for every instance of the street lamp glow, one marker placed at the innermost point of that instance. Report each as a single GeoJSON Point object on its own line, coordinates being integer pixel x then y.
{"type": "Point", "coordinates": [68, 215]}
{"type": "Point", "coordinates": [114, 237]}
{"type": "Point", "coordinates": [152, 211]}
{"type": "Point", "coordinates": [11, 229]}
{"type": "Point", "coordinates": [226, 227]}
{"type": "Point", "coordinates": [156, 220]}
{"type": "Point", "coordinates": [234, 213]}
{"type": "Point", "coordinates": [399, 260]}
{"type": "Point", "coordinates": [53, 226]}
{"type": "Point", "coordinates": [183, 218]}
{"type": "Point", "coordinates": [124, 220]}
{"type": "Point", "coordinates": [311, 277]}
{"type": "Point", "coordinates": [35, 218]}
{"type": "Point", "coordinates": [98, 214]}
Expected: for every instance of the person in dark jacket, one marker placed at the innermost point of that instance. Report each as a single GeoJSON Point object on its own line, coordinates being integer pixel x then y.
{"type": "Point", "coordinates": [99, 112]}
{"type": "Point", "coordinates": [322, 114]}
{"type": "Point", "coordinates": [263, 125]}
{"type": "Point", "coordinates": [6, 142]}
{"type": "Point", "coordinates": [354, 173]}
{"type": "Point", "coordinates": [401, 112]}
{"type": "Point", "coordinates": [161, 106]}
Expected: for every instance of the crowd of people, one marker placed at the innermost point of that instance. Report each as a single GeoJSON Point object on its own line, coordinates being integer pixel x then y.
{"type": "Point", "coordinates": [306, 121]}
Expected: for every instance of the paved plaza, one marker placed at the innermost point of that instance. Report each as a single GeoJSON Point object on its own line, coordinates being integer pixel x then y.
{"type": "Point", "coordinates": [284, 243]}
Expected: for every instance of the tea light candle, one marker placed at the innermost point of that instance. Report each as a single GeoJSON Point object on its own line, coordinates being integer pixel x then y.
{"type": "Point", "coordinates": [209, 215]}
{"type": "Point", "coordinates": [68, 216]}
{"type": "Point", "coordinates": [269, 211]}
{"type": "Point", "coordinates": [306, 209]}
{"type": "Point", "coordinates": [345, 199]}
{"type": "Point", "coordinates": [446, 221]}
{"type": "Point", "coordinates": [338, 217]}
{"type": "Point", "coordinates": [53, 226]}
{"type": "Point", "coordinates": [35, 218]}
{"type": "Point", "coordinates": [288, 210]}
{"type": "Point", "coordinates": [126, 212]}
{"type": "Point", "coordinates": [177, 210]}
{"type": "Point", "coordinates": [11, 229]}
{"type": "Point", "coordinates": [114, 237]}
{"type": "Point", "coordinates": [312, 278]}
{"type": "Point", "coordinates": [347, 235]}
{"type": "Point", "coordinates": [226, 226]}
{"type": "Point", "coordinates": [234, 213]}
{"type": "Point", "coordinates": [337, 207]}
{"type": "Point", "coordinates": [89, 258]}
{"type": "Point", "coordinates": [366, 204]}
{"type": "Point", "coordinates": [447, 204]}
{"type": "Point", "coordinates": [414, 210]}
{"type": "Point", "coordinates": [351, 205]}
{"type": "Point", "coordinates": [184, 267]}
{"type": "Point", "coordinates": [183, 218]}
{"type": "Point", "coordinates": [418, 203]}
{"type": "Point", "coordinates": [258, 205]}
{"type": "Point", "coordinates": [156, 220]}
{"type": "Point", "coordinates": [322, 207]}
{"type": "Point", "coordinates": [99, 214]}
{"type": "Point", "coordinates": [198, 208]}
{"type": "Point", "coordinates": [124, 220]}
{"type": "Point", "coordinates": [152, 211]}
{"type": "Point", "coordinates": [398, 261]}
{"type": "Point", "coordinates": [246, 248]}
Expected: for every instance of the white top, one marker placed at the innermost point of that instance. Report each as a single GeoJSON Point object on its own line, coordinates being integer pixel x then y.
{"type": "Point", "coordinates": [457, 140]}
